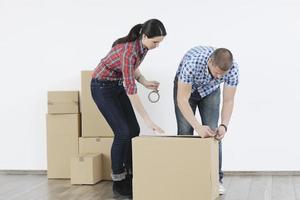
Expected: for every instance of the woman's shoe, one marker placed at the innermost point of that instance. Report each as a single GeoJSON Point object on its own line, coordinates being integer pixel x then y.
{"type": "Point", "coordinates": [122, 188]}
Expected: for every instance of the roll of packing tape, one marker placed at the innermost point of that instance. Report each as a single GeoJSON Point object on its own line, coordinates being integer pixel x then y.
{"type": "Point", "coordinates": [153, 96]}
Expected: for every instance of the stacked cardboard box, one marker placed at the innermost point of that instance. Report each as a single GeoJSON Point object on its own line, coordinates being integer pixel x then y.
{"type": "Point", "coordinates": [86, 169]}
{"type": "Point", "coordinates": [93, 123]}
{"type": "Point", "coordinates": [98, 145]}
{"type": "Point", "coordinates": [97, 136]}
{"type": "Point", "coordinates": [66, 150]}
{"type": "Point", "coordinates": [63, 130]}
{"type": "Point", "coordinates": [175, 168]}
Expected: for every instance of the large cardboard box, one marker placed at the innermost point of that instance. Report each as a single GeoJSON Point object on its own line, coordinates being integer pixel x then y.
{"type": "Point", "coordinates": [86, 169]}
{"type": "Point", "coordinates": [175, 168]}
{"type": "Point", "coordinates": [62, 143]}
{"type": "Point", "coordinates": [93, 122]}
{"type": "Point", "coordinates": [98, 145]}
{"type": "Point", "coordinates": [63, 102]}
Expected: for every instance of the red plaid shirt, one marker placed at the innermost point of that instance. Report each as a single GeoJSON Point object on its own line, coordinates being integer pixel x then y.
{"type": "Point", "coordinates": [120, 64]}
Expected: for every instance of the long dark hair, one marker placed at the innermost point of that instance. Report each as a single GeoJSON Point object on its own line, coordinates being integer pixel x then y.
{"type": "Point", "coordinates": [151, 28]}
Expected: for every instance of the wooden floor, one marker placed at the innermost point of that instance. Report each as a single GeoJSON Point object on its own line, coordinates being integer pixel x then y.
{"type": "Point", "coordinates": [37, 187]}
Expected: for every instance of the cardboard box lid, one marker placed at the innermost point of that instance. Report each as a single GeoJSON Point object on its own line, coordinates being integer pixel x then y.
{"type": "Point", "coordinates": [172, 136]}
{"type": "Point", "coordinates": [63, 97]}
{"type": "Point", "coordinates": [60, 102]}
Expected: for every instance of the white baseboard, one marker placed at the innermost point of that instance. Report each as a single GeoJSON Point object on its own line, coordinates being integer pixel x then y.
{"type": "Point", "coordinates": [24, 172]}
{"type": "Point", "coordinates": [262, 173]}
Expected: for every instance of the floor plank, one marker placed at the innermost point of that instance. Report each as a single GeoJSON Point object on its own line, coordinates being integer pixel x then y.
{"type": "Point", "coordinates": [260, 188]}
{"type": "Point", "coordinates": [19, 183]}
{"type": "Point", "coordinates": [238, 188]}
{"type": "Point", "coordinates": [283, 188]}
{"type": "Point", "coordinates": [296, 183]}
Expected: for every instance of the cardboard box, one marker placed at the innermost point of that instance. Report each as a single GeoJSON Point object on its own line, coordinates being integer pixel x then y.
{"type": "Point", "coordinates": [62, 143]}
{"type": "Point", "coordinates": [175, 168]}
{"type": "Point", "coordinates": [98, 145]}
{"type": "Point", "coordinates": [86, 169]}
{"type": "Point", "coordinates": [63, 102]}
{"type": "Point", "coordinates": [93, 122]}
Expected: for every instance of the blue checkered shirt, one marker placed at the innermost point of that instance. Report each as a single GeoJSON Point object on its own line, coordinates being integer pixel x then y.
{"type": "Point", "coordinates": [193, 69]}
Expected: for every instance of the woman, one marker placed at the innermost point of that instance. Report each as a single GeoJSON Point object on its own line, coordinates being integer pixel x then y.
{"type": "Point", "coordinates": [114, 91]}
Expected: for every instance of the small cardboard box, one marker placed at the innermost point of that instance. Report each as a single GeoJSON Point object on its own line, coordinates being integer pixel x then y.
{"type": "Point", "coordinates": [93, 122]}
{"type": "Point", "coordinates": [98, 145]}
{"type": "Point", "coordinates": [175, 168]}
{"type": "Point", "coordinates": [86, 169]}
{"type": "Point", "coordinates": [62, 143]}
{"type": "Point", "coordinates": [63, 102]}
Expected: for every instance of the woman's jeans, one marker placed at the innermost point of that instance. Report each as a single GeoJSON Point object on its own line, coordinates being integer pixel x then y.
{"type": "Point", "coordinates": [114, 104]}
{"type": "Point", "coordinates": [209, 112]}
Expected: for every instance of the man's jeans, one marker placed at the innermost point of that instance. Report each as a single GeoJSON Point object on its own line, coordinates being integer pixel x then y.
{"type": "Point", "coordinates": [209, 112]}
{"type": "Point", "coordinates": [114, 104]}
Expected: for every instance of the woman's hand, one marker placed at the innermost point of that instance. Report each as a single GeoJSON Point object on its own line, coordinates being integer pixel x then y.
{"type": "Point", "coordinates": [154, 127]}
{"type": "Point", "coordinates": [151, 85]}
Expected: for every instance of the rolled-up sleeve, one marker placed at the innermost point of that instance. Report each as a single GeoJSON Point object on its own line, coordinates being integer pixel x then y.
{"type": "Point", "coordinates": [128, 60]}
{"type": "Point", "coordinates": [187, 72]}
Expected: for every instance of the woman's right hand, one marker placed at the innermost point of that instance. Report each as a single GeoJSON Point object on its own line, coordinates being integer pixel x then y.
{"type": "Point", "coordinates": [154, 127]}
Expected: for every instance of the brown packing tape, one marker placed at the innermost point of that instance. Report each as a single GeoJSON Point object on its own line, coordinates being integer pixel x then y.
{"type": "Point", "coordinates": [153, 96]}
{"type": "Point", "coordinates": [81, 159]}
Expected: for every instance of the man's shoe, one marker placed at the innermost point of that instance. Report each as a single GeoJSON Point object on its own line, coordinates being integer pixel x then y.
{"type": "Point", "coordinates": [222, 189]}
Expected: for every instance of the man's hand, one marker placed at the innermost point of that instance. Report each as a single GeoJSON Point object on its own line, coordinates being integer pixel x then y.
{"type": "Point", "coordinates": [205, 131]}
{"type": "Point", "coordinates": [220, 133]}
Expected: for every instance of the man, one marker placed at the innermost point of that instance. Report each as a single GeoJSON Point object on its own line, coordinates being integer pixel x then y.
{"type": "Point", "coordinates": [197, 84]}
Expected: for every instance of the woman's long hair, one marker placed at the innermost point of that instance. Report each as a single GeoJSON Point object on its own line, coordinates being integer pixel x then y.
{"type": "Point", "coordinates": [151, 28]}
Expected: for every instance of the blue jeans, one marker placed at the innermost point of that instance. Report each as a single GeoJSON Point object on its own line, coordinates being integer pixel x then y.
{"type": "Point", "coordinates": [114, 104]}
{"type": "Point", "coordinates": [209, 112]}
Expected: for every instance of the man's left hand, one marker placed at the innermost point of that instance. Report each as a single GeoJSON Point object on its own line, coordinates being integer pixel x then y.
{"type": "Point", "coordinates": [220, 133]}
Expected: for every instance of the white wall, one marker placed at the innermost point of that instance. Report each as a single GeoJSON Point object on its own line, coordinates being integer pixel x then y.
{"type": "Point", "coordinates": [45, 44]}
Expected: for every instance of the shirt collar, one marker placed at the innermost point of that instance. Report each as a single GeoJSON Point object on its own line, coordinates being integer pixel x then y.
{"type": "Point", "coordinates": [206, 68]}
{"type": "Point", "coordinates": [140, 47]}
{"type": "Point", "coordinates": [208, 72]}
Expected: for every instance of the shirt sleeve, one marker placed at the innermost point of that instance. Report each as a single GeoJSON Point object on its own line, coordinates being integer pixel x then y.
{"type": "Point", "coordinates": [232, 78]}
{"type": "Point", "coordinates": [128, 60]}
{"type": "Point", "coordinates": [187, 72]}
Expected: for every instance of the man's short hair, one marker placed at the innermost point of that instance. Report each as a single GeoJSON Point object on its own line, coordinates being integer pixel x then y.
{"type": "Point", "coordinates": [222, 58]}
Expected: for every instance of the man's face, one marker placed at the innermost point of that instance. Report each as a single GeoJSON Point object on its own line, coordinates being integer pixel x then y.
{"type": "Point", "coordinates": [215, 70]}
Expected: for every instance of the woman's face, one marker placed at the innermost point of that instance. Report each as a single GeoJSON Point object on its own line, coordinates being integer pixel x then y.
{"type": "Point", "coordinates": [151, 43]}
